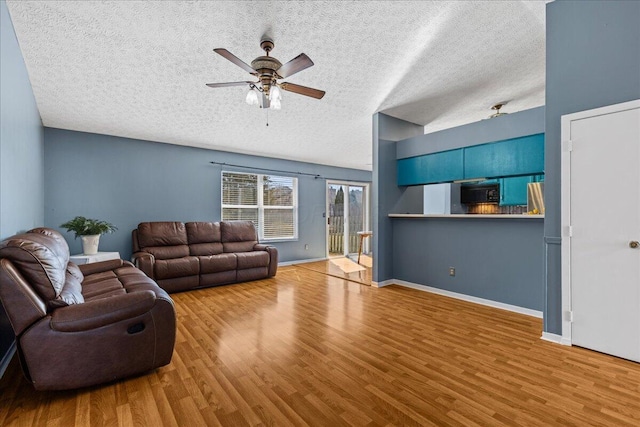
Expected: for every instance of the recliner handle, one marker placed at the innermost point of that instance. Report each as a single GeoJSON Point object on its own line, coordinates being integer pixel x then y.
{"type": "Point", "coordinates": [136, 328]}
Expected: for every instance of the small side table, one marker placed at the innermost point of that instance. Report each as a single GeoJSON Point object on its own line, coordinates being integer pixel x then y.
{"type": "Point", "coordinates": [362, 235]}
{"type": "Point", "coordinates": [88, 259]}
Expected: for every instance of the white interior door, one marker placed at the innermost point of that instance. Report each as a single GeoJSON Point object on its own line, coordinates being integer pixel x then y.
{"type": "Point", "coordinates": [605, 223]}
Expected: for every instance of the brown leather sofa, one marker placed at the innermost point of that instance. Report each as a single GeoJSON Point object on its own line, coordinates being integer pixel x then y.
{"type": "Point", "coordinates": [78, 326]}
{"type": "Point", "coordinates": [181, 256]}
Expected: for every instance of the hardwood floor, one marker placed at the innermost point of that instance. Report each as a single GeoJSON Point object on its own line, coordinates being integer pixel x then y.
{"type": "Point", "coordinates": [311, 349]}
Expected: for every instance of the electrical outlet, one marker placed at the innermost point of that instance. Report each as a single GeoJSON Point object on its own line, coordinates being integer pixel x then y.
{"type": "Point", "coordinates": [306, 247]}
{"type": "Point", "coordinates": [452, 271]}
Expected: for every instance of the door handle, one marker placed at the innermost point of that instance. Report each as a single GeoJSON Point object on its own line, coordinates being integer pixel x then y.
{"type": "Point", "coordinates": [634, 244]}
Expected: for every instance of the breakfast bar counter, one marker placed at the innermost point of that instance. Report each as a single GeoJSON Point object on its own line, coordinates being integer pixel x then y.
{"type": "Point", "coordinates": [496, 257]}
{"type": "Point", "coordinates": [468, 216]}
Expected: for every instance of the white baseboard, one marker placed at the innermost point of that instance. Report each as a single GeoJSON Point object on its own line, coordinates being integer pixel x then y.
{"type": "Point", "coordinates": [555, 338]}
{"type": "Point", "coordinates": [301, 261]}
{"type": "Point", "coordinates": [469, 298]}
{"type": "Point", "coordinates": [383, 283]}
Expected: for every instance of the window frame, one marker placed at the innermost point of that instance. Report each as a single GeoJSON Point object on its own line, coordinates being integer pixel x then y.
{"type": "Point", "coordinates": [261, 206]}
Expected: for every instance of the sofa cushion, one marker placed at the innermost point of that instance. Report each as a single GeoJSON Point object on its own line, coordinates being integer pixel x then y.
{"type": "Point", "coordinates": [252, 259]}
{"type": "Point", "coordinates": [168, 233]}
{"type": "Point", "coordinates": [179, 267]}
{"type": "Point", "coordinates": [74, 270]}
{"type": "Point", "coordinates": [204, 249]}
{"type": "Point", "coordinates": [107, 286]}
{"type": "Point", "coordinates": [218, 263]}
{"type": "Point", "coordinates": [238, 231]}
{"type": "Point", "coordinates": [41, 255]}
{"type": "Point", "coordinates": [71, 292]}
{"type": "Point", "coordinates": [119, 281]}
{"type": "Point", "coordinates": [238, 236]}
{"type": "Point", "coordinates": [168, 252]}
{"type": "Point", "coordinates": [204, 238]}
{"type": "Point", "coordinates": [90, 279]}
{"type": "Point", "coordinates": [236, 247]}
{"type": "Point", "coordinates": [203, 232]}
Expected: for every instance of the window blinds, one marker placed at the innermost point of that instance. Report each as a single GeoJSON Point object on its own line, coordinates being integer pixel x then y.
{"type": "Point", "coordinates": [267, 200]}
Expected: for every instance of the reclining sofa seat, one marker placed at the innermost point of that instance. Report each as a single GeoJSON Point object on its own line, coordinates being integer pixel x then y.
{"type": "Point", "coordinates": [77, 326]}
{"type": "Point", "coordinates": [183, 256]}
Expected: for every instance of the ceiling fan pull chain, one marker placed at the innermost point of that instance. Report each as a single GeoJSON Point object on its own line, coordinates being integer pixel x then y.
{"type": "Point", "coordinates": [267, 110]}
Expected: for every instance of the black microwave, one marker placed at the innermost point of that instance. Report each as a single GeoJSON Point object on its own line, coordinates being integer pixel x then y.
{"type": "Point", "coordinates": [475, 194]}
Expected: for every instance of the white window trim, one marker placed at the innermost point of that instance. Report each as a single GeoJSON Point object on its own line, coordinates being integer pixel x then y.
{"type": "Point", "coordinates": [261, 207]}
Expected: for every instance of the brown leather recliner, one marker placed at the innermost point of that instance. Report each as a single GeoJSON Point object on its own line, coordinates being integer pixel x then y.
{"type": "Point", "coordinates": [183, 256]}
{"type": "Point", "coordinates": [78, 326]}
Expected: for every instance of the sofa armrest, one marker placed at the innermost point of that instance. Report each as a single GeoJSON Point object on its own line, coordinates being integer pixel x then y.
{"type": "Point", "coordinates": [102, 312]}
{"type": "Point", "coordinates": [99, 267]}
{"type": "Point", "coordinates": [144, 261]}
{"type": "Point", "coordinates": [273, 257]}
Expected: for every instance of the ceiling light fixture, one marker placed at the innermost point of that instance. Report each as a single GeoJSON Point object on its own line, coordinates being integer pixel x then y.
{"type": "Point", "coordinates": [497, 108]}
{"type": "Point", "coordinates": [275, 104]}
{"type": "Point", "coordinates": [276, 93]}
{"type": "Point", "coordinates": [275, 97]}
{"type": "Point", "coordinates": [252, 96]}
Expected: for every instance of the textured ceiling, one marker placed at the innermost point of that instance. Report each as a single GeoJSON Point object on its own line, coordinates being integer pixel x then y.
{"type": "Point", "coordinates": [138, 69]}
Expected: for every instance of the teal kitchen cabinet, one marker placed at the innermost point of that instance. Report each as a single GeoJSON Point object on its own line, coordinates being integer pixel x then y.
{"type": "Point", "coordinates": [445, 166]}
{"type": "Point", "coordinates": [513, 191]}
{"type": "Point", "coordinates": [511, 157]}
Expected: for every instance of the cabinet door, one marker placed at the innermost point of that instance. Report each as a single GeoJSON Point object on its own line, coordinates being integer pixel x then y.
{"type": "Point", "coordinates": [513, 191]}
{"type": "Point", "coordinates": [445, 166]}
{"type": "Point", "coordinates": [411, 171]}
{"type": "Point", "coordinates": [511, 157]}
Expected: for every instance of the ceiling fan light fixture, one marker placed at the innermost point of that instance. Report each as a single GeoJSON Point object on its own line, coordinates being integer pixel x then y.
{"type": "Point", "coordinates": [275, 104]}
{"type": "Point", "coordinates": [252, 97]}
{"type": "Point", "coordinates": [275, 93]}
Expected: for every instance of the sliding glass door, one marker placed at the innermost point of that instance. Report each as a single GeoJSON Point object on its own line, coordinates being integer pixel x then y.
{"type": "Point", "coordinates": [347, 214]}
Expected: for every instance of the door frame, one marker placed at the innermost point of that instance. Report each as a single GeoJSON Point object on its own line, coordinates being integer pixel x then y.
{"type": "Point", "coordinates": [565, 206]}
{"type": "Point", "coordinates": [367, 208]}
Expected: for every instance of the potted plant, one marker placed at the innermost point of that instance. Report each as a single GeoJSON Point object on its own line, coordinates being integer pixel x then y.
{"type": "Point", "coordinates": [90, 230]}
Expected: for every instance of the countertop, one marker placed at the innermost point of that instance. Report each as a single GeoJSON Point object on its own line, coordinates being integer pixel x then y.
{"type": "Point", "coordinates": [468, 216]}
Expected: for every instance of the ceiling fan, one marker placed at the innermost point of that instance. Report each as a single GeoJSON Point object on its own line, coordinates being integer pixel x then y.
{"type": "Point", "coordinates": [265, 92]}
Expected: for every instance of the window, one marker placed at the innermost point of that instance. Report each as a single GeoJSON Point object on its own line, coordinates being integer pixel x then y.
{"type": "Point", "coordinates": [271, 202]}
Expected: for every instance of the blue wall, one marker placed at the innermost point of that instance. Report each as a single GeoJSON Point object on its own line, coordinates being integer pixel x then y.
{"type": "Point", "coordinates": [386, 196]}
{"type": "Point", "coordinates": [126, 181]}
{"type": "Point", "coordinates": [593, 60]}
{"type": "Point", "coordinates": [21, 139]}
{"type": "Point", "coordinates": [21, 154]}
{"type": "Point", "coordinates": [527, 122]}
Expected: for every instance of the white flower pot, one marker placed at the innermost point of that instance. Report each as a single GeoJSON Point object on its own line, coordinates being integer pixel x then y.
{"type": "Point", "coordinates": [90, 244]}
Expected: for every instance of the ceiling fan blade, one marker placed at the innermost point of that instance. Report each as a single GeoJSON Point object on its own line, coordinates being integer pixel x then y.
{"type": "Point", "coordinates": [229, 84]}
{"type": "Point", "coordinates": [297, 64]}
{"type": "Point", "coordinates": [302, 90]}
{"type": "Point", "coordinates": [231, 57]}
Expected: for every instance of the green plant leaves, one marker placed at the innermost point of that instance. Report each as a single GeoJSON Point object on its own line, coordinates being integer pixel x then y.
{"type": "Point", "coordinates": [85, 226]}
